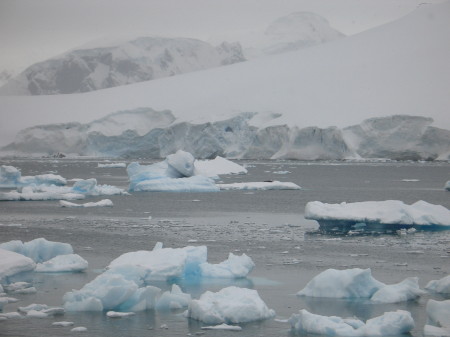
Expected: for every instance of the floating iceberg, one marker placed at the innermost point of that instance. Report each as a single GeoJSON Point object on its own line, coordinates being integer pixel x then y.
{"type": "Point", "coordinates": [174, 299]}
{"type": "Point", "coordinates": [439, 286]}
{"type": "Point", "coordinates": [438, 323]}
{"type": "Point", "coordinates": [229, 305]}
{"type": "Point", "coordinates": [115, 314]}
{"type": "Point", "coordinates": [390, 323]}
{"type": "Point", "coordinates": [11, 176]}
{"type": "Point", "coordinates": [119, 289]}
{"type": "Point", "coordinates": [39, 250]}
{"type": "Point", "coordinates": [378, 215]}
{"type": "Point", "coordinates": [63, 263]}
{"type": "Point", "coordinates": [190, 184]}
{"type": "Point", "coordinates": [101, 203]}
{"type": "Point", "coordinates": [218, 166]}
{"type": "Point", "coordinates": [12, 263]}
{"type": "Point", "coordinates": [41, 310]}
{"type": "Point", "coordinates": [359, 283]}
{"type": "Point", "coordinates": [447, 185]}
{"type": "Point", "coordinates": [234, 267]}
{"type": "Point", "coordinates": [264, 185]}
{"type": "Point", "coordinates": [222, 326]}
{"type": "Point", "coordinates": [112, 165]}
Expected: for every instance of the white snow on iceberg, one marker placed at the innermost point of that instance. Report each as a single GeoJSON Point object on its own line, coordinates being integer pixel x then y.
{"type": "Point", "coordinates": [439, 286]}
{"type": "Point", "coordinates": [63, 263]}
{"type": "Point", "coordinates": [229, 305]}
{"type": "Point", "coordinates": [218, 166]}
{"type": "Point", "coordinates": [390, 323]}
{"type": "Point", "coordinates": [234, 267]}
{"type": "Point", "coordinates": [12, 263]}
{"type": "Point", "coordinates": [101, 203]}
{"type": "Point", "coordinates": [359, 283]}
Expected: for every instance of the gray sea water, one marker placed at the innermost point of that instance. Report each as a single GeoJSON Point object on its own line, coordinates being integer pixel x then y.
{"type": "Point", "coordinates": [266, 225]}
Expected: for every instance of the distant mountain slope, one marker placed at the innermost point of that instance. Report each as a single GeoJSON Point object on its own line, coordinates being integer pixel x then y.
{"type": "Point", "coordinates": [142, 59]}
{"type": "Point", "coordinates": [397, 69]}
{"type": "Point", "coordinates": [152, 134]}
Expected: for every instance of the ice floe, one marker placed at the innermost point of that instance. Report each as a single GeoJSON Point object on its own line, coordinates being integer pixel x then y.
{"type": "Point", "coordinates": [390, 323]}
{"type": "Point", "coordinates": [234, 267]}
{"type": "Point", "coordinates": [112, 165]}
{"type": "Point", "coordinates": [421, 215]}
{"type": "Point", "coordinates": [101, 203]}
{"type": "Point", "coordinates": [41, 310]}
{"type": "Point", "coordinates": [438, 323]}
{"type": "Point", "coordinates": [230, 305]}
{"type": "Point", "coordinates": [39, 250]}
{"type": "Point", "coordinates": [11, 176]}
{"type": "Point", "coordinates": [116, 314]}
{"type": "Point", "coordinates": [12, 263]}
{"type": "Point", "coordinates": [222, 326]}
{"type": "Point", "coordinates": [264, 185]}
{"type": "Point", "coordinates": [359, 283]}
{"type": "Point", "coordinates": [218, 166]}
{"type": "Point", "coordinates": [63, 263]}
{"type": "Point", "coordinates": [439, 286]}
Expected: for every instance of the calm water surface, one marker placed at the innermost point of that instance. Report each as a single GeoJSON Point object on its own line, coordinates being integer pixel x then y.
{"type": "Point", "coordinates": [266, 225]}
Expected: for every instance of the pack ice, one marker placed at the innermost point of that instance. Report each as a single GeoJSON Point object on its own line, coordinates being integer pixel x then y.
{"type": "Point", "coordinates": [49, 187]}
{"type": "Point", "coordinates": [125, 284]}
{"type": "Point", "coordinates": [420, 215]}
{"type": "Point", "coordinates": [359, 283]}
{"type": "Point", "coordinates": [180, 172]}
{"type": "Point", "coordinates": [390, 323]}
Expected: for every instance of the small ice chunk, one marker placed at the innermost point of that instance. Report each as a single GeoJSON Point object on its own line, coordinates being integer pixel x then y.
{"type": "Point", "coordinates": [439, 286]}
{"type": "Point", "coordinates": [40, 250]}
{"type": "Point", "coordinates": [348, 283]}
{"type": "Point", "coordinates": [11, 315]}
{"type": "Point", "coordinates": [223, 326]}
{"type": "Point", "coordinates": [12, 263]}
{"type": "Point", "coordinates": [101, 203]}
{"type": "Point", "coordinates": [63, 323]}
{"type": "Point", "coordinates": [229, 305]}
{"type": "Point", "coordinates": [79, 329]}
{"type": "Point", "coordinates": [265, 185]}
{"type": "Point", "coordinates": [63, 263]}
{"type": "Point", "coordinates": [234, 267]}
{"type": "Point", "coordinates": [116, 314]}
{"type": "Point", "coordinates": [438, 313]}
{"type": "Point", "coordinates": [112, 165]}
{"type": "Point", "coordinates": [406, 290]}
{"type": "Point", "coordinates": [174, 299]}
{"type": "Point", "coordinates": [36, 314]}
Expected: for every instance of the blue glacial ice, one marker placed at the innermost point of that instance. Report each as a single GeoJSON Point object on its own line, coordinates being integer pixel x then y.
{"type": "Point", "coordinates": [173, 299]}
{"type": "Point", "coordinates": [230, 305]}
{"type": "Point", "coordinates": [390, 323]}
{"type": "Point", "coordinates": [438, 323]}
{"type": "Point", "coordinates": [11, 176]}
{"type": "Point", "coordinates": [359, 283]}
{"type": "Point", "coordinates": [441, 286]}
{"type": "Point", "coordinates": [389, 214]}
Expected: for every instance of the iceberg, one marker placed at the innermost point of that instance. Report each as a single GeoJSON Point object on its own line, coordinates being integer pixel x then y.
{"type": "Point", "coordinates": [11, 176]}
{"type": "Point", "coordinates": [265, 185]}
{"type": "Point", "coordinates": [12, 263]}
{"type": "Point", "coordinates": [41, 310]}
{"type": "Point", "coordinates": [441, 286]}
{"type": "Point", "coordinates": [218, 166]}
{"type": "Point", "coordinates": [359, 283]}
{"type": "Point", "coordinates": [230, 305]}
{"type": "Point", "coordinates": [390, 323]}
{"type": "Point", "coordinates": [63, 263]}
{"type": "Point", "coordinates": [39, 250]}
{"type": "Point", "coordinates": [222, 326]}
{"type": "Point", "coordinates": [112, 165]}
{"type": "Point", "coordinates": [190, 184]}
{"type": "Point", "coordinates": [438, 323]}
{"type": "Point", "coordinates": [234, 267]}
{"type": "Point", "coordinates": [101, 203]}
{"type": "Point", "coordinates": [447, 185]}
{"type": "Point", "coordinates": [174, 299]}
{"type": "Point", "coordinates": [378, 215]}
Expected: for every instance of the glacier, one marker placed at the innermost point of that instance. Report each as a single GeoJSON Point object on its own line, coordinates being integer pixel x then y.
{"type": "Point", "coordinates": [378, 216]}
{"type": "Point", "coordinates": [147, 133]}
{"type": "Point", "coordinates": [137, 60]}
{"type": "Point", "coordinates": [390, 323]}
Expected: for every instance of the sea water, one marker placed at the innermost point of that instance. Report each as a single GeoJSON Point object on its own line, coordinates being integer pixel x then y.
{"type": "Point", "coordinates": [266, 225]}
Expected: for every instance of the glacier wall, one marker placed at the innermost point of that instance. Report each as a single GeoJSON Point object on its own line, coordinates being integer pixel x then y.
{"type": "Point", "coordinates": [147, 133]}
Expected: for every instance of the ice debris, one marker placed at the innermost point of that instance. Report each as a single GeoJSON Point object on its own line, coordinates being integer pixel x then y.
{"type": "Point", "coordinates": [112, 165]}
{"type": "Point", "coordinates": [390, 323]}
{"type": "Point", "coordinates": [41, 310]}
{"type": "Point", "coordinates": [447, 185]}
{"type": "Point", "coordinates": [359, 283]}
{"type": "Point", "coordinates": [439, 286]}
{"type": "Point", "coordinates": [116, 314]}
{"type": "Point", "coordinates": [438, 323]}
{"type": "Point", "coordinates": [230, 305]}
{"type": "Point", "coordinates": [101, 203]}
{"type": "Point", "coordinates": [63, 263]}
{"type": "Point", "coordinates": [222, 326]}
{"type": "Point", "coordinates": [11, 176]}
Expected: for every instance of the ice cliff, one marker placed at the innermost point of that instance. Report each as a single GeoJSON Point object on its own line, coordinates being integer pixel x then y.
{"type": "Point", "coordinates": [137, 60]}
{"type": "Point", "coordinates": [155, 134]}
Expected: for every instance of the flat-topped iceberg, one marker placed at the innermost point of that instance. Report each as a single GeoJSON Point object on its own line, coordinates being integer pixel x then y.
{"type": "Point", "coordinates": [101, 203]}
{"type": "Point", "coordinates": [218, 166]}
{"type": "Point", "coordinates": [390, 323]}
{"type": "Point", "coordinates": [438, 323]}
{"type": "Point", "coordinates": [359, 283]}
{"type": "Point", "coordinates": [262, 186]}
{"type": "Point", "coordinates": [389, 214]}
{"type": "Point", "coordinates": [441, 286]}
{"type": "Point", "coordinates": [12, 263]}
{"type": "Point", "coordinates": [11, 176]}
{"type": "Point", "coordinates": [229, 305]}
{"type": "Point", "coordinates": [112, 165]}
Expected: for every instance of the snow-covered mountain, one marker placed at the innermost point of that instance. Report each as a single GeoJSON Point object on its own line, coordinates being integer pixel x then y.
{"type": "Point", "coordinates": [397, 69]}
{"type": "Point", "coordinates": [151, 134]}
{"type": "Point", "coordinates": [142, 59]}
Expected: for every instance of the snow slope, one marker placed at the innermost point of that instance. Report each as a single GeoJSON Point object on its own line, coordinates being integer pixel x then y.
{"type": "Point", "coordinates": [398, 68]}
{"type": "Point", "coordinates": [138, 60]}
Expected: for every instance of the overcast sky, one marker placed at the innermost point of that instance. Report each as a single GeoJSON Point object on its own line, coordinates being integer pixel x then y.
{"type": "Point", "coordinates": [34, 30]}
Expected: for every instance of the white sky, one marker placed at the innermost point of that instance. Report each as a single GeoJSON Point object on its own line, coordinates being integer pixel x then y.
{"type": "Point", "coordinates": [34, 30]}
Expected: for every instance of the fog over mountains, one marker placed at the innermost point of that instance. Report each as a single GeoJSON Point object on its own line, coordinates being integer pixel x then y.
{"type": "Point", "coordinates": [303, 104]}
